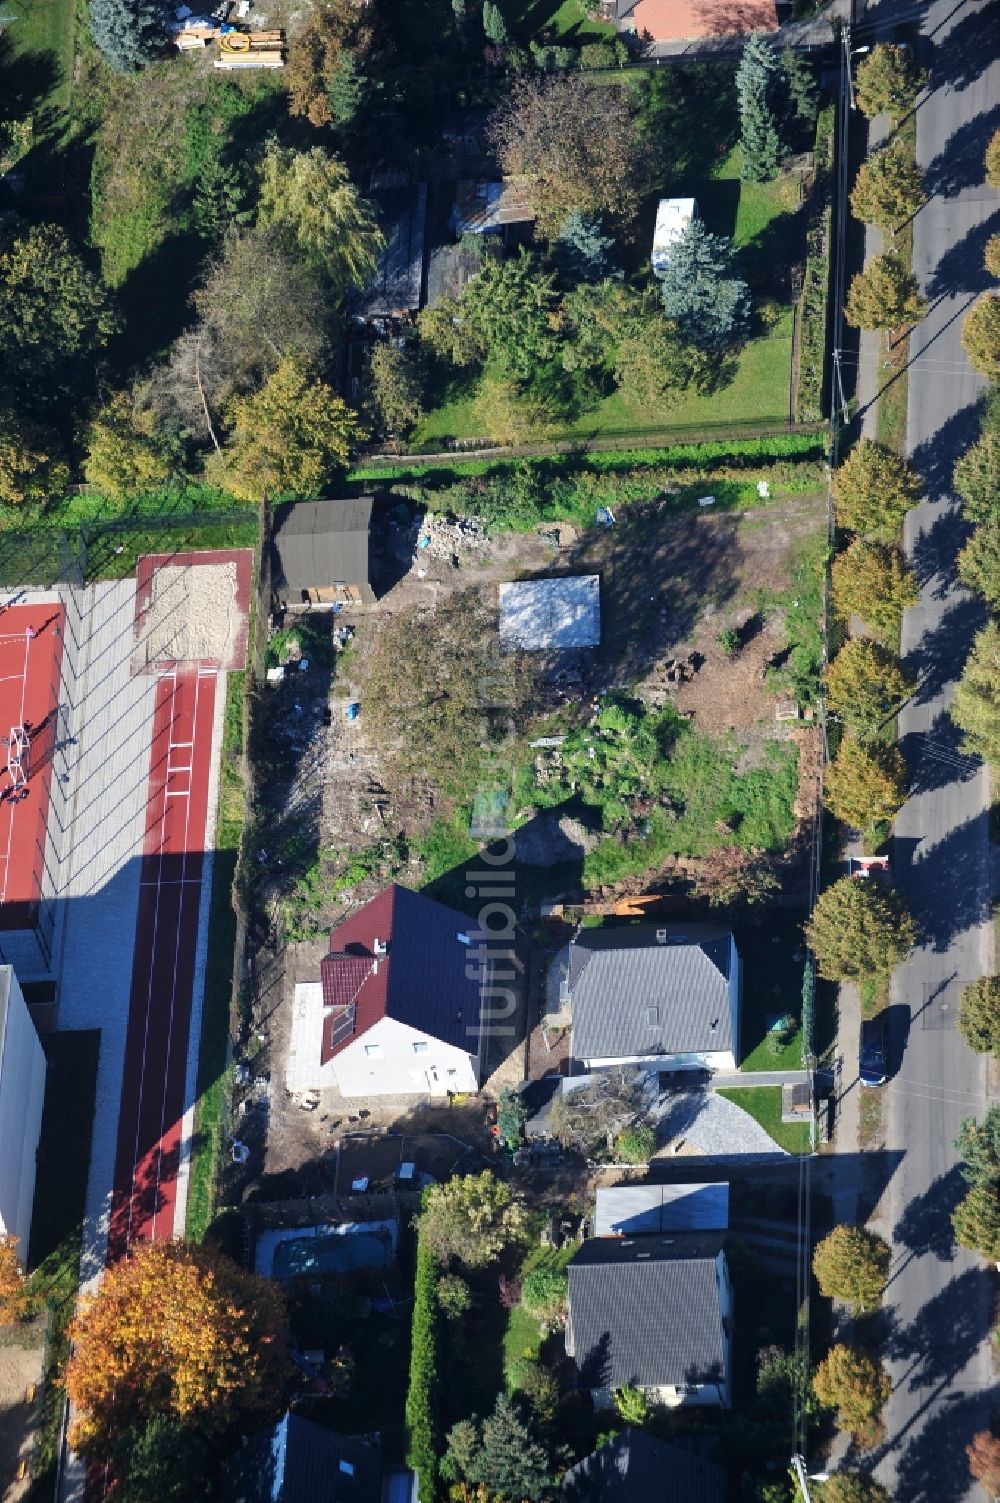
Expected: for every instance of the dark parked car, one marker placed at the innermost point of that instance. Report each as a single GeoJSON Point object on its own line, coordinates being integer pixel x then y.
{"type": "Point", "coordinates": [873, 1067]}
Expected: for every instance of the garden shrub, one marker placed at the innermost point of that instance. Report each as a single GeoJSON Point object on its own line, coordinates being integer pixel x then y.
{"type": "Point", "coordinates": [423, 1439]}
{"type": "Point", "coordinates": [816, 280]}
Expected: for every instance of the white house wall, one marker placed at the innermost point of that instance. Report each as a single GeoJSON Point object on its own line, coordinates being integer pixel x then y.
{"type": "Point", "coordinates": [22, 1094]}
{"type": "Point", "coordinates": [393, 1059]}
{"type": "Point", "coordinates": [717, 1059]}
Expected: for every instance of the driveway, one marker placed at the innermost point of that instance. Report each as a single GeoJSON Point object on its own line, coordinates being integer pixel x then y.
{"type": "Point", "coordinates": [940, 1300]}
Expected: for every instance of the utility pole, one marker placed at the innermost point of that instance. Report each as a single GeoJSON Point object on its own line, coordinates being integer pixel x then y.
{"type": "Point", "coordinates": [839, 374]}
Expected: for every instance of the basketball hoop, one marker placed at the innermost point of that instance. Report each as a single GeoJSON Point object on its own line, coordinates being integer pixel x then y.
{"type": "Point", "coordinates": [18, 745]}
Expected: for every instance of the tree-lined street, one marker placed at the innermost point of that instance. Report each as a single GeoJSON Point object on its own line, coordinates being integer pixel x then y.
{"type": "Point", "coordinates": [939, 1299]}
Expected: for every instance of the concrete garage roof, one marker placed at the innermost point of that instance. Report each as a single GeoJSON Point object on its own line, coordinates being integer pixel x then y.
{"type": "Point", "coordinates": [547, 614]}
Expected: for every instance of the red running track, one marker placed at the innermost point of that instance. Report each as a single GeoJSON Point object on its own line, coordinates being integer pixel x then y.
{"type": "Point", "coordinates": [166, 936]}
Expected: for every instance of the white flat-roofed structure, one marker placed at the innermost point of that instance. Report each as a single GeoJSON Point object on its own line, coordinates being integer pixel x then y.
{"type": "Point", "coordinates": [649, 1210]}
{"type": "Point", "coordinates": [22, 1094]}
{"type": "Point", "coordinates": [673, 215]}
{"type": "Point", "coordinates": [544, 615]}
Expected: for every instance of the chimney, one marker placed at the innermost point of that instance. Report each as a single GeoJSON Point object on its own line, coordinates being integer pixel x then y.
{"type": "Point", "coordinates": [661, 936]}
{"type": "Point", "coordinates": [380, 947]}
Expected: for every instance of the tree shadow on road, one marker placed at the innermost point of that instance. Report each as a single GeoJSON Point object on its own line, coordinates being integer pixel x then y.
{"type": "Point", "coordinates": [938, 657]}
{"type": "Point", "coordinates": [925, 1225]}
{"type": "Point", "coordinates": [933, 1467]}
{"type": "Point", "coordinates": [934, 459]}
{"type": "Point", "coordinates": [936, 759]}
{"type": "Point", "coordinates": [961, 267]}
{"type": "Point", "coordinates": [963, 54]}
{"type": "Point", "coordinates": [936, 549]}
{"type": "Point", "coordinates": [954, 865]}
{"type": "Point", "coordinates": [960, 162]}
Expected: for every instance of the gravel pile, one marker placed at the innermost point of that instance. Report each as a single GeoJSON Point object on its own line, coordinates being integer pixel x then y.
{"type": "Point", "coordinates": [448, 537]}
{"type": "Point", "coordinates": [711, 1124]}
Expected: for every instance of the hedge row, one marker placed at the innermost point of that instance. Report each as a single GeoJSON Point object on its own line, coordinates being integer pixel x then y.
{"type": "Point", "coordinates": [816, 281]}
{"type": "Point", "coordinates": [423, 1394]}
{"type": "Point", "coordinates": [737, 451]}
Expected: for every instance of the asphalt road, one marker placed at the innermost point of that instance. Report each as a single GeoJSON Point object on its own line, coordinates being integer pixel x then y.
{"type": "Point", "coordinates": [939, 1304]}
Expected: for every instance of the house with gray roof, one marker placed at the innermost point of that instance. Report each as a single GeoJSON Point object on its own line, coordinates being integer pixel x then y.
{"type": "Point", "coordinates": [652, 1313]}
{"type": "Point", "coordinates": [321, 552]}
{"type": "Point", "coordinates": [302, 1462]}
{"type": "Point", "coordinates": [632, 1467]}
{"type": "Point", "coordinates": [665, 996]}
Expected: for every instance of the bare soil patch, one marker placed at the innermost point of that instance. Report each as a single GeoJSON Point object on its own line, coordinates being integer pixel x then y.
{"type": "Point", "coordinates": [22, 1355]}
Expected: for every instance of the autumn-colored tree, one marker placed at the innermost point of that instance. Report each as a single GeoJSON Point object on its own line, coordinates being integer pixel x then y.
{"type": "Point", "coordinates": [874, 489]}
{"type": "Point", "coordinates": [979, 562]}
{"type": "Point", "coordinates": [888, 81]}
{"type": "Point", "coordinates": [984, 1449]}
{"type": "Point", "coordinates": [874, 581]}
{"type": "Point", "coordinates": [288, 438]}
{"type": "Point", "coordinates": [54, 318]}
{"type": "Point", "coordinates": [975, 708]}
{"type": "Point", "coordinates": [127, 451]}
{"type": "Point", "coordinates": [31, 471]}
{"type": "Point", "coordinates": [471, 1218]}
{"type": "Point", "coordinates": [981, 335]}
{"type": "Point", "coordinates": [977, 478]}
{"type": "Point", "coordinates": [866, 684]}
{"type": "Point", "coordinates": [991, 256]}
{"type": "Point", "coordinates": [508, 414]}
{"type": "Point", "coordinates": [175, 1329]}
{"type": "Point", "coordinates": [849, 1487]}
{"type": "Point", "coordinates": [976, 1221]}
{"type": "Point", "coordinates": [884, 296]}
{"type": "Point", "coordinates": [889, 188]}
{"type": "Point", "coordinates": [860, 928]}
{"type": "Point", "coordinates": [852, 1264]}
{"type": "Point", "coordinates": [308, 196]}
{"type": "Point", "coordinates": [314, 53]}
{"type": "Point", "coordinates": [577, 155]}
{"type": "Point", "coordinates": [979, 1015]}
{"type": "Point", "coordinates": [854, 1383]}
{"type": "Point", "coordinates": [396, 384]}
{"type": "Point", "coordinates": [15, 1296]}
{"type": "Point", "coordinates": [731, 877]}
{"type": "Point", "coordinates": [866, 783]}
{"type": "Point", "coordinates": [992, 160]}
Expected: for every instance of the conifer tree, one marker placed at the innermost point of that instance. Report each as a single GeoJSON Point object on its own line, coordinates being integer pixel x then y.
{"type": "Point", "coordinates": [127, 33]}
{"type": "Point", "coordinates": [757, 80]}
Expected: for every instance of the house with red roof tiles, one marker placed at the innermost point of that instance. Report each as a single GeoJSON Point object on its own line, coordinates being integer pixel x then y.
{"type": "Point", "coordinates": [691, 20]}
{"type": "Point", "coordinates": [400, 1006]}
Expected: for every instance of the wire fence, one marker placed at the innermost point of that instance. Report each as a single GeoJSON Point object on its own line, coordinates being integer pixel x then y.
{"type": "Point", "coordinates": [45, 556]}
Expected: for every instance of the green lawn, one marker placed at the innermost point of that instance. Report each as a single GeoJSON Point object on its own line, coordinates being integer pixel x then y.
{"type": "Point", "coordinates": [763, 1103]}
{"type": "Point", "coordinates": [757, 393]}
{"type": "Point", "coordinates": [523, 1337]}
{"type": "Point", "coordinates": [42, 33]}
{"type": "Point", "coordinates": [566, 20]}
{"type": "Point", "coordinates": [772, 983]}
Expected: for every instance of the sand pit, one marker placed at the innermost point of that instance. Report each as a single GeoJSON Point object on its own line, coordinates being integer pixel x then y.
{"type": "Point", "coordinates": [192, 616]}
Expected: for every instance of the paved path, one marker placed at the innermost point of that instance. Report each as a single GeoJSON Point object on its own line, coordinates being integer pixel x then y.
{"type": "Point", "coordinates": [112, 724]}
{"type": "Point", "coordinates": [758, 1078]}
{"type": "Point", "coordinates": [940, 1300]}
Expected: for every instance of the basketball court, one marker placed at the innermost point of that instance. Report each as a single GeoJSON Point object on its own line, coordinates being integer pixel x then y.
{"type": "Point", "coordinates": [31, 645]}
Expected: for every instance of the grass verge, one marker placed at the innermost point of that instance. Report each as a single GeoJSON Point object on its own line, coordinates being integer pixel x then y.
{"type": "Point", "coordinates": [57, 1223]}
{"type": "Point", "coordinates": [213, 1047]}
{"type": "Point", "coordinates": [763, 1104]}
{"type": "Point", "coordinates": [893, 358]}
{"type": "Point", "coordinates": [772, 952]}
